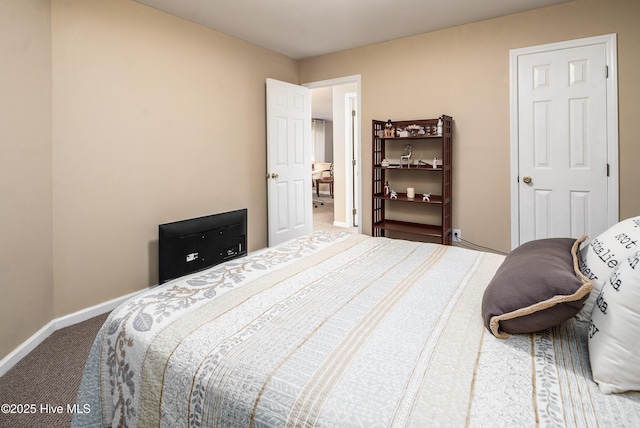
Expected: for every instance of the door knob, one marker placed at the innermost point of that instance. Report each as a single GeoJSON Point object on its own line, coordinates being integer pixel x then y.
{"type": "Point", "coordinates": [526, 179]}
{"type": "Point", "coordinates": [274, 175]}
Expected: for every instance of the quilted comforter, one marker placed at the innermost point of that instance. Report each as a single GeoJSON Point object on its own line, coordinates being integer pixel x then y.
{"type": "Point", "coordinates": [337, 330]}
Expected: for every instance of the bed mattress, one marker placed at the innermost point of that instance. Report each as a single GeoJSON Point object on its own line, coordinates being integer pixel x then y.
{"type": "Point", "coordinates": [338, 330]}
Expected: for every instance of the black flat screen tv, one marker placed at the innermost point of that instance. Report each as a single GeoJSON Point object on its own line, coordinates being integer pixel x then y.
{"type": "Point", "coordinates": [189, 246]}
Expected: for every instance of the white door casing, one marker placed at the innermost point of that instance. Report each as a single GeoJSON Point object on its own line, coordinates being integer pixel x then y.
{"type": "Point", "coordinates": [289, 204]}
{"type": "Point", "coordinates": [563, 148]}
{"type": "Point", "coordinates": [352, 137]}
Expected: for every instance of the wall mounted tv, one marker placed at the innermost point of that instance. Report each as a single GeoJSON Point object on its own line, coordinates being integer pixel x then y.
{"type": "Point", "coordinates": [192, 245]}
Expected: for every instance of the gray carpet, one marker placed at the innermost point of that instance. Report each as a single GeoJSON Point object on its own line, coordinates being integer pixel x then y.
{"type": "Point", "coordinates": [49, 375]}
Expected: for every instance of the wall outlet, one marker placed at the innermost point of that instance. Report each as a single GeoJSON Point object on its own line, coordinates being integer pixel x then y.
{"type": "Point", "coordinates": [456, 235]}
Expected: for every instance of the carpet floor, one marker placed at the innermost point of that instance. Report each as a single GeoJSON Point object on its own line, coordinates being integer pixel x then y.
{"type": "Point", "coordinates": [48, 377]}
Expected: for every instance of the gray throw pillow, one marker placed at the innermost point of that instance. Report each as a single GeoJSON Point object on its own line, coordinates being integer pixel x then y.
{"type": "Point", "coordinates": [539, 285]}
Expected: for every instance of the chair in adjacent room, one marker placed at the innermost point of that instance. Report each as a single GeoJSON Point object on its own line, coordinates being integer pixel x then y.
{"type": "Point", "coordinates": [325, 178]}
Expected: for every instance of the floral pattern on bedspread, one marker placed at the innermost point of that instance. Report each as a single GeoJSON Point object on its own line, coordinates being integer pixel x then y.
{"type": "Point", "coordinates": [145, 315]}
{"type": "Point", "coordinates": [338, 330]}
{"type": "Point", "coordinates": [306, 324]}
{"type": "Point", "coordinates": [544, 379]}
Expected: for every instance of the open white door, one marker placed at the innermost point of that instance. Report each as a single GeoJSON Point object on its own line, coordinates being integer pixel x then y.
{"type": "Point", "coordinates": [288, 161]}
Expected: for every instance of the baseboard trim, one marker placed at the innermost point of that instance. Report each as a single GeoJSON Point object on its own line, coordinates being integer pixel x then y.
{"type": "Point", "coordinates": [340, 224]}
{"type": "Point", "coordinates": [56, 324]}
{"type": "Point", "coordinates": [25, 347]}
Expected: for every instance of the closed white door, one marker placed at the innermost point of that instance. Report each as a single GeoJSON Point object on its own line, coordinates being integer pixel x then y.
{"type": "Point", "coordinates": [563, 166]}
{"type": "Point", "coordinates": [288, 161]}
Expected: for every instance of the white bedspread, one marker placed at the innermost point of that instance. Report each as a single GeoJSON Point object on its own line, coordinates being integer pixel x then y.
{"type": "Point", "coordinates": [337, 330]}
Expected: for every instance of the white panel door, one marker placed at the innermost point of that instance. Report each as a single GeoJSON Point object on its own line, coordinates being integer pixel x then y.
{"type": "Point", "coordinates": [288, 161]}
{"type": "Point", "coordinates": [562, 143]}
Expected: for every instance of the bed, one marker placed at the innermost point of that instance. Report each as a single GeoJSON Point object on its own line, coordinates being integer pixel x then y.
{"type": "Point", "coordinates": [338, 330]}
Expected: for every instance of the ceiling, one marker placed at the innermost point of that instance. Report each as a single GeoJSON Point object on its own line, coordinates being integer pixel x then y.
{"type": "Point", "coordinates": [306, 28]}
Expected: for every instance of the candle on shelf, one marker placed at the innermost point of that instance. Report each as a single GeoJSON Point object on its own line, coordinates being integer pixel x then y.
{"type": "Point", "coordinates": [411, 192]}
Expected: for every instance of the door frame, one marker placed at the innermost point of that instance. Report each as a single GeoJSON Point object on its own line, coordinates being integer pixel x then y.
{"type": "Point", "coordinates": [611, 59]}
{"type": "Point", "coordinates": [352, 140]}
{"type": "Point", "coordinates": [348, 168]}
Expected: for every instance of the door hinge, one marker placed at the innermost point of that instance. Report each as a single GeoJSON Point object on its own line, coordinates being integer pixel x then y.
{"type": "Point", "coordinates": [607, 170]}
{"type": "Point", "coordinates": [353, 113]}
{"type": "Point", "coordinates": [353, 162]}
{"type": "Point", "coordinates": [355, 211]}
{"type": "Point", "coordinates": [606, 71]}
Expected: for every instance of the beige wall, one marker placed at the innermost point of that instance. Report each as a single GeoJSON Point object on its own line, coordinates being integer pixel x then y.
{"type": "Point", "coordinates": [156, 119]}
{"type": "Point", "coordinates": [115, 118]}
{"type": "Point", "coordinates": [26, 275]}
{"type": "Point", "coordinates": [464, 72]}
